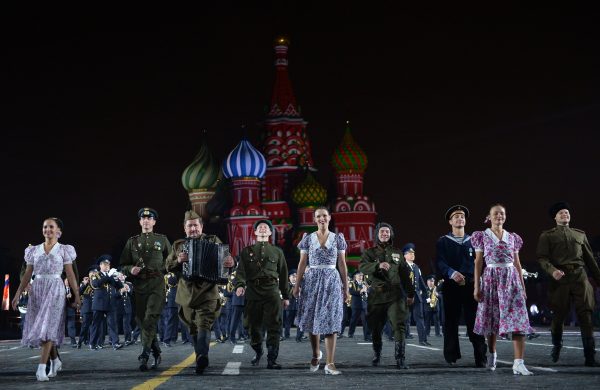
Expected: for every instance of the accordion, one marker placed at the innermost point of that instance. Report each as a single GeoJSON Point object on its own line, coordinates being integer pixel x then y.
{"type": "Point", "coordinates": [205, 261]}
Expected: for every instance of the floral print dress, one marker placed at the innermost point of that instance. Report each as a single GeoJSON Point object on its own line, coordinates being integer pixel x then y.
{"type": "Point", "coordinates": [503, 309]}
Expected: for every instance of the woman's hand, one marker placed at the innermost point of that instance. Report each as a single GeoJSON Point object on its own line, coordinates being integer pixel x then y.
{"type": "Point", "coordinates": [346, 293]}
{"type": "Point", "coordinates": [477, 294]}
{"type": "Point", "coordinates": [77, 301]}
{"type": "Point", "coordinates": [15, 301]}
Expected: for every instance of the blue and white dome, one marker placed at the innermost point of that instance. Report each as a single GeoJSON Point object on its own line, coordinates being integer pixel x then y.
{"type": "Point", "coordinates": [244, 161]}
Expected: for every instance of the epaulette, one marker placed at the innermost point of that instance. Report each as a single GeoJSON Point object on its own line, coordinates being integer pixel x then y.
{"type": "Point", "coordinates": [549, 230]}
{"type": "Point", "coordinates": [578, 230]}
{"type": "Point", "coordinates": [133, 237]}
{"type": "Point", "coordinates": [159, 234]}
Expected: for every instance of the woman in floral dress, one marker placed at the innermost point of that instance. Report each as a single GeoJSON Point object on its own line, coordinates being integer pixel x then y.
{"type": "Point", "coordinates": [501, 293]}
{"type": "Point", "coordinates": [45, 325]}
{"type": "Point", "coordinates": [324, 288]}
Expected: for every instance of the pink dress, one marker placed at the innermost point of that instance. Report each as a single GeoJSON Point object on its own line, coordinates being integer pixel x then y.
{"type": "Point", "coordinates": [45, 319]}
{"type": "Point", "coordinates": [503, 309]}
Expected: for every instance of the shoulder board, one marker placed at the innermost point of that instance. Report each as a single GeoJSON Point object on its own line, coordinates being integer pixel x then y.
{"type": "Point", "coordinates": [578, 230]}
{"type": "Point", "coordinates": [160, 235]}
{"type": "Point", "coordinates": [549, 230]}
{"type": "Point", "coordinates": [134, 237]}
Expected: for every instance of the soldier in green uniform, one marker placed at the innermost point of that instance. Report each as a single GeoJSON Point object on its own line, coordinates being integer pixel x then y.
{"type": "Point", "coordinates": [563, 252]}
{"type": "Point", "coordinates": [143, 259]}
{"type": "Point", "coordinates": [198, 300]}
{"type": "Point", "coordinates": [391, 292]}
{"type": "Point", "coordinates": [262, 275]}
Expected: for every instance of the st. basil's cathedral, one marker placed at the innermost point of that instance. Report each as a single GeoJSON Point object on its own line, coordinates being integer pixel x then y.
{"type": "Point", "coordinates": [259, 178]}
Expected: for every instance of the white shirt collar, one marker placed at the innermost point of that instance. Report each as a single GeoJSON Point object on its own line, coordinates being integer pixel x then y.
{"type": "Point", "coordinates": [491, 234]}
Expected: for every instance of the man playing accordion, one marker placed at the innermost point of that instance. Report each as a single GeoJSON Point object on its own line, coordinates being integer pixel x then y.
{"type": "Point", "coordinates": [198, 298]}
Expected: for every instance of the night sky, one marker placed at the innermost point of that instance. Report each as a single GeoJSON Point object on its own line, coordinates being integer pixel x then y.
{"type": "Point", "coordinates": [101, 118]}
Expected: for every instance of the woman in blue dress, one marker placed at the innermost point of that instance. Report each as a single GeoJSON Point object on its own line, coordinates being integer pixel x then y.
{"type": "Point", "coordinates": [324, 289]}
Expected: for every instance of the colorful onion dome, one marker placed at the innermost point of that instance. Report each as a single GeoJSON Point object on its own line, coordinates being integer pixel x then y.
{"type": "Point", "coordinates": [349, 157]}
{"type": "Point", "coordinates": [244, 161]}
{"type": "Point", "coordinates": [309, 193]}
{"type": "Point", "coordinates": [203, 172]}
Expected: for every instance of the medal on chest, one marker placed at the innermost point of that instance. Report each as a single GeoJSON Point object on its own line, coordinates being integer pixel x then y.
{"type": "Point", "coordinates": [395, 258]}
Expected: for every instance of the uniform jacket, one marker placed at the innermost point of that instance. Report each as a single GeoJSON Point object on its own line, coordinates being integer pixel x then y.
{"type": "Point", "coordinates": [149, 250]}
{"type": "Point", "coordinates": [262, 271]}
{"type": "Point", "coordinates": [453, 256]}
{"type": "Point", "coordinates": [420, 286]}
{"type": "Point", "coordinates": [106, 289]}
{"type": "Point", "coordinates": [386, 286]}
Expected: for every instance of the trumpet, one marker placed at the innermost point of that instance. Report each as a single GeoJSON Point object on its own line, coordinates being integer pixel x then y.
{"type": "Point", "coordinates": [527, 274]}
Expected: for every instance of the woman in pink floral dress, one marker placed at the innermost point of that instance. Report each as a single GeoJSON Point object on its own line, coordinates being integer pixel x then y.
{"type": "Point", "coordinates": [501, 292]}
{"type": "Point", "coordinates": [45, 325]}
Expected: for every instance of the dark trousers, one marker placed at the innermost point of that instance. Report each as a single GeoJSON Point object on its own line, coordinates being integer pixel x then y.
{"type": "Point", "coordinates": [377, 317]}
{"type": "Point", "coordinates": [288, 321]}
{"type": "Point", "coordinates": [456, 299]}
{"type": "Point", "coordinates": [127, 325]}
{"type": "Point", "coordinates": [264, 314]}
{"type": "Point", "coordinates": [363, 319]}
{"type": "Point", "coordinates": [235, 322]}
{"type": "Point", "coordinates": [416, 313]}
{"type": "Point", "coordinates": [171, 324]}
{"type": "Point", "coordinates": [100, 319]}
{"type": "Point", "coordinates": [71, 330]}
{"type": "Point", "coordinates": [84, 332]}
{"type": "Point", "coordinates": [185, 333]}
{"type": "Point", "coordinates": [432, 316]}
{"type": "Point", "coordinates": [345, 318]}
{"type": "Point", "coordinates": [223, 320]}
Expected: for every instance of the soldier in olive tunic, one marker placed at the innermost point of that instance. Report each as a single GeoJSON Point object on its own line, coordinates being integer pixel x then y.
{"type": "Point", "coordinates": [143, 259]}
{"type": "Point", "coordinates": [262, 275]}
{"type": "Point", "coordinates": [563, 252]}
{"type": "Point", "coordinates": [391, 292]}
{"type": "Point", "coordinates": [198, 299]}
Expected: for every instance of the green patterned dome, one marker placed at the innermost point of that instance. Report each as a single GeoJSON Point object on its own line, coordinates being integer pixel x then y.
{"type": "Point", "coordinates": [203, 172]}
{"type": "Point", "coordinates": [309, 193]}
{"type": "Point", "coordinates": [349, 157]}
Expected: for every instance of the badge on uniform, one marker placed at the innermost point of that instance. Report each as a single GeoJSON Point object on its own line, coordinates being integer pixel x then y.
{"type": "Point", "coordinates": [396, 257]}
{"type": "Point", "coordinates": [471, 252]}
{"type": "Point", "coordinates": [157, 245]}
{"type": "Point", "coordinates": [139, 245]}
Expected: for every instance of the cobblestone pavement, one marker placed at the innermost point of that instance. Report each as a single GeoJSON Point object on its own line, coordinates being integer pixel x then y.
{"type": "Point", "coordinates": [230, 367]}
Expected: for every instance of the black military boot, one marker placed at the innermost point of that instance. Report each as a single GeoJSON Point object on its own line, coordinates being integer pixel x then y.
{"type": "Point", "coordinates": [143, 359]}
{"type": "Point", "coordinates": [272, 353]}
{"type": "Point", "coordinates": [155, 354]}
{"type": "Point", "coordinates": [201, 347]}
{"type": "Point", "coordinates": [479, 350]}
{"type": "Point", "coordinates": [399, 354]}
{"type": "Point", "coordinates": [259, 352]}
{"type": "Point", "coordinates": [589, 351]}
{"type": "Point", "coordinates": [376, 353]}
{"type": "Point", "coordinates": [557, 346]}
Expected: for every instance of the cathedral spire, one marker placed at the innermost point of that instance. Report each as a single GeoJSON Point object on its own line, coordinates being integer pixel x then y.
{"type": "Point", "coordinates": [283, 101]}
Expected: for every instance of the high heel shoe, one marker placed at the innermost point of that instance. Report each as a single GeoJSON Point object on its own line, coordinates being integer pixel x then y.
{"type": "Point", "coordinates": [315, 368]}
{"type": "Point", "coordinates": [520, 369]}
{"type": "Point", "coordinates": [491, 361]}
{"type": "Point", "coordinates": [55, 367]}
{"type": "Point", "coordinates": [331, 370]}
{"type": "Point", "coordinates": [41, 373]}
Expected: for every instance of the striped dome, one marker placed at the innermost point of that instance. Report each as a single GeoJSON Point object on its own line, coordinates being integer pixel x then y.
{"type": "Point", "coordinates": [203, 172]}
{"type": "Point", "coordinates": [349, 157]}
{"type": "Point", "coordinates": [309, 193]}
{"type": "Point", "coordinates": [244, 161]}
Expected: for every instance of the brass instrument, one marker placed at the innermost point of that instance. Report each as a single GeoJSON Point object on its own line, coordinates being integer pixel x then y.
{"type": "Point", "coordinates": [94, 275]}
{"type": "Point", "coordinates": [527, 275]}
{"type": "Point", "coordinates": [169, 286]}
{"type": "Point", "coordinates": [433, 299]}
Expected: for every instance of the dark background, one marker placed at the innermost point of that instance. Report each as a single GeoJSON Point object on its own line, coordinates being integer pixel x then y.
{"type": "Point", "coordinates": [100, 116]}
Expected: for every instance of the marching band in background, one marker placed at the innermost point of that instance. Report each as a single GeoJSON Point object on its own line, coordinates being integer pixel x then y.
{"type": "Point", "coordinates": [386, 292]}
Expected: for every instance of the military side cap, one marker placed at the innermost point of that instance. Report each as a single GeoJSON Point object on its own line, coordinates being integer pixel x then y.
{"type": "Point", "coordinates": [457, 209]}
{"type": "Point", "coordinates": [410, 247]}
{"type": "Point", "coordinates": [191, 215]}
{"type": "Point", "coordinates": [556, 207]}
{"type": "Point", "coordinates": [268, 222]}
{"type": "Point", "coordinates": [147, 212]}
{"type": "Point", "coordinates": [104, 259]}
{"type": "Point", "coordinates": [292, 272]}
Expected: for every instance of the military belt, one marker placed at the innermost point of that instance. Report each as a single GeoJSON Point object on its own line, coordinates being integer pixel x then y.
{"type": "Point", "coordinates": [263, 281]}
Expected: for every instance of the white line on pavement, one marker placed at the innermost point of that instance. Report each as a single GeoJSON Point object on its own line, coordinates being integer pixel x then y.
{"type": "Point", "coordinates": [232, 368]}
{"type": "Point", "coordinates": [541, 345]}
{"type": "Point", "coordinates": [424, 347]}
{"type": "Point", "coordinates": [238, 349]}
{"type": "Point", "coordinates": [530, 367]}
{"type": "Point", "coordinates": [10, 349]}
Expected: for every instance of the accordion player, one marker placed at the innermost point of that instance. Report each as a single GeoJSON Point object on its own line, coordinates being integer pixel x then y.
{"type": "Point", "coordinates": [205, 261]}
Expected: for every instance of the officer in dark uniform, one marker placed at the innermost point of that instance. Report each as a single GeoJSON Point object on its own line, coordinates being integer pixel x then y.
{"type": "Point", "coordinates": [563, 252]}
{"type": "Point", "coordinates": [126, 308]}
{"type": "Point", "coordinates": [431, 306]}
{"type": "Point", "coordinates": [391, 292]}
{"type": "Point", "coordinates": [262, 275]}
{"type": "Point", "coordinates": [198, 299]}
{"type": "Point", "coordinates": [86, 291]}
{"type": "Point", "coordinates": [171, 308]}
{"type": "Point", "coordinates": [358, 295]}
{"type": "Point", "coordinates": [143, 262]}
{"type": "Point", "coordinates": [106, 288]}
{"type": "Point", "coordinates": [455, 260]}
{"type": "Point", "coordinates": [416, 309]}
{"type": "Point", "coordinates": [237, 311]}
{"type": "Point", "coordinates": [71, 315]}
{"type": "Point", "coordinates": [289, 313]}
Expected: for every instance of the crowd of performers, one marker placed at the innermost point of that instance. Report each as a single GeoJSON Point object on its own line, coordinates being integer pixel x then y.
{"type": "Point", "coordinates": [480, 273]}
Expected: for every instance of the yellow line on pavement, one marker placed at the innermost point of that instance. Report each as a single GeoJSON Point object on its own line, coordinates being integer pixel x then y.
{"type": "Point", "coordinates": [166, 375]}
